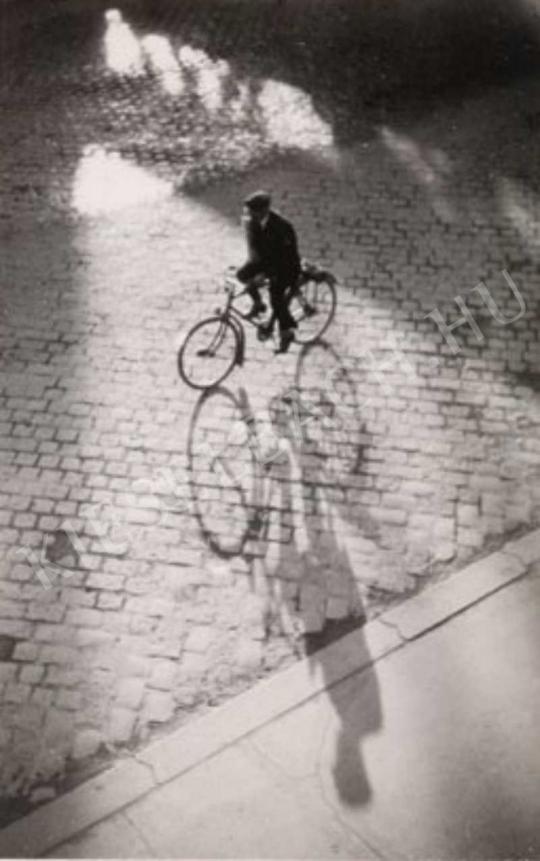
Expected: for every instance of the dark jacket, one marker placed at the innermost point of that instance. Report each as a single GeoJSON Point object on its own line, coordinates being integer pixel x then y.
{"type": "Point", "coordinates": [273, 249]}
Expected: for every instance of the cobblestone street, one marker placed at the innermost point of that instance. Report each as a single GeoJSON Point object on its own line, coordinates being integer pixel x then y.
{"type": "Point", "coordinates": [141, 581]}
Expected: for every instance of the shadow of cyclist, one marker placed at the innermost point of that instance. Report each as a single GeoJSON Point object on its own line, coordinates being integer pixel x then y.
{"type": "Point", "coordinates": [313, 593]}
{"type": "Point", "coordinates": [277, 497]}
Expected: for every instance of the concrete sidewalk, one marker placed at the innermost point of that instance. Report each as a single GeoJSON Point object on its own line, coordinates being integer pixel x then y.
{"type": "Point", "coordinates": [415, 737]}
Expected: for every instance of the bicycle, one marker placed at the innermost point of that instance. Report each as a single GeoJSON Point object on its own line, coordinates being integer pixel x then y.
{"type": "Point", "coordinates": [216, 344]}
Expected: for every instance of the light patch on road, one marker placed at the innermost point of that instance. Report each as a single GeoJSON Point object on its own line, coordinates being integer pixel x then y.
{"type": "Point", "coordinates": [518, 205]}
{"type": "Point", "coordinates": [286, 114]}
{"type": "Point", "coordinates": [163, 62]}
{"type": "Point", "coordinates": [290, 118]}
{"type": "Point", "coordinates": [429, 167]}
{"type": "Point", "coordinates": [123, 53]}
{"type": "Point", "coordinates": [209, 75]}
{"type": "Point", "coordinates": [105, 182]}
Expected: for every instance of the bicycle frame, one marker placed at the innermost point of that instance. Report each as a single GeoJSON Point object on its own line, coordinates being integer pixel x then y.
{"type": "Point", "coordinates": [230, 309]}
{"type": "Point", "coordinates": [229, 316]}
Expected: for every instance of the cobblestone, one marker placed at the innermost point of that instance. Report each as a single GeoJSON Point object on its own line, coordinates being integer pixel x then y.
{"type": "Point", "coordinates": [121, 725]}
{"type": "Point", "coordinates": [158, 707]}
{"type": "Point", "coordinates": [131, 692]}
{"type": "Point", "coordinates": [86, 743]}
{"type": "Point", "coordinates": [176, 583]}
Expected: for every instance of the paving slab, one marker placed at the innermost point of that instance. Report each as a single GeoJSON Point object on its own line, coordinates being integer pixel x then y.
{"type": "Point", "coordinates": [88, 803]}
{"type": "Point", "coordinates": [435, 605]}
{"type": "Point", "coordinates": [430, 753]}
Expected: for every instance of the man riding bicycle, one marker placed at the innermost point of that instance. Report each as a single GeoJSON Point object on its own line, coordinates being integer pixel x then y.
{"type": "Point", "coordinates": [273, 254]}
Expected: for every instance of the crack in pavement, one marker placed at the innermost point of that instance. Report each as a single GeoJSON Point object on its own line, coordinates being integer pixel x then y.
{"type": "Point", "coordinates": [467, 605]}
{"type": "Point", "coordinates": [312, 779]}
{"type": "Point", "coordinates": [394, 627]}
{"type": "Point", "coordinates": [147, 845]}
{"type": "Point", "coordinates": [138, 757]}
{"type": "Point", "coordinates": [334, 808]}
{"type": "Point", "coordinates": [276, 765]}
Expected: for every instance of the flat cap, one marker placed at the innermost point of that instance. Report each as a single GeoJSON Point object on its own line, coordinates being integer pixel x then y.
{"type": "Point", "coordinates": [259, 200]}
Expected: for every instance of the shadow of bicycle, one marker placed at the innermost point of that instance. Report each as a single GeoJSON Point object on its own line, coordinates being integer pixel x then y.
{"type": "Point", "coordinates": [279, 487]}
{"type": "Point", "coordinates": [272, 488]}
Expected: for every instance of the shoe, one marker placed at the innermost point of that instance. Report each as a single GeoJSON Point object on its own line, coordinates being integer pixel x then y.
{"type": "Point", "coordinates": [256, 311]}
{"type": "Point", "coordinates": [287, 337]}
{"type": "Point", "coordinates": [265, 331]}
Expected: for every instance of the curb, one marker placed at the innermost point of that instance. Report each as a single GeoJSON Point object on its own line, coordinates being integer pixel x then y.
{"type": "Point", "coordinates": [161, 761]}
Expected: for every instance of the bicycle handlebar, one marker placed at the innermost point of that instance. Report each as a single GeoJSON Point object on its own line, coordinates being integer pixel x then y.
{"type": "Point", "coordinates": [232, 282]}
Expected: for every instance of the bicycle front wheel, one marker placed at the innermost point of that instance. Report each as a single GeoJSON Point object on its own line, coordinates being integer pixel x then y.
{"type": "Point", "coordinates": [209, 353]}
{"type": "Point", "coordinates": [222, 471]}
{"type": "Point", "coordinates": [313, 307]}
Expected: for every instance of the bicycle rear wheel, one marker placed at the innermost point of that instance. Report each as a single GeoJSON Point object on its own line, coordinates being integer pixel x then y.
{"type": "Point", "coordinates": [313, 307]}
{"type": "Point", "coordinates": [209, 353]}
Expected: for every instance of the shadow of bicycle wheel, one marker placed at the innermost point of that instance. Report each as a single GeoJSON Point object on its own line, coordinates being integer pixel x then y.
{"type": "Point", "coordinates": [330, 412]}
{"type": "Point", "coordinates": [222, 472]}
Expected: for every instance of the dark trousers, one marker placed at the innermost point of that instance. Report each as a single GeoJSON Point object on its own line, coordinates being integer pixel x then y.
{"type": "Point", "coordinates": [279, 289]}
